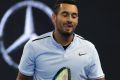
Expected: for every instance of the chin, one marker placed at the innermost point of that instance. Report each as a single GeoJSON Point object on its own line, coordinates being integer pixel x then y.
{"type": "Point", "coordinates": [67, 33]}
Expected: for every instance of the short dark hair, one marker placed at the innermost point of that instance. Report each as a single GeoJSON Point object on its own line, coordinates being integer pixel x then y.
{"type": "Point", "coordinates": [58, 2]}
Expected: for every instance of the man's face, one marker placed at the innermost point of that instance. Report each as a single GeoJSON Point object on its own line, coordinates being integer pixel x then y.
{"type": "Point", "coordinates": [66, 19]}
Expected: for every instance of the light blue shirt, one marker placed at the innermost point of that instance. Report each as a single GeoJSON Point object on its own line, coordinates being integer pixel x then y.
{"type": "Point", "coordinates": [43, 57]}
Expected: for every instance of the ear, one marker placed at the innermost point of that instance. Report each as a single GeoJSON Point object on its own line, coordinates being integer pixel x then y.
{"type": "Point", "coordinates": [53, 18]}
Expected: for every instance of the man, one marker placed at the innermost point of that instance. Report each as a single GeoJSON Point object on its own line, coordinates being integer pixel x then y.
{"type": "Point", "coordinates": [46, 55]}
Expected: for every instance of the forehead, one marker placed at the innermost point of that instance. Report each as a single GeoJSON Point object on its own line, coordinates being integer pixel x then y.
{"type": "Point", "coordinates": [68, 7]}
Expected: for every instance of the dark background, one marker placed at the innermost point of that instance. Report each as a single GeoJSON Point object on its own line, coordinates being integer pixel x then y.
{"type": "Point", "coordinates": [99, 23]}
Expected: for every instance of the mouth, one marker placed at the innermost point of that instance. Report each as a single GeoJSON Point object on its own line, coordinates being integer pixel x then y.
{"type": "Point", "coordinates": [68, 28]}
{"type": "Point", "coordinates": [68, 25]}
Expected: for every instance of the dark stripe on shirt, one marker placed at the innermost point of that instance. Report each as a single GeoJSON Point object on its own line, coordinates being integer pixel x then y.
{"type": "Point", "coordinates": [41, 38]}
{"type": "Point", "coordinates": [80, 37]}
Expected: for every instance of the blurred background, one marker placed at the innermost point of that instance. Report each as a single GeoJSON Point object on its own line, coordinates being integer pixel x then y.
{"type": "Point", "coordinates": [99, 23]}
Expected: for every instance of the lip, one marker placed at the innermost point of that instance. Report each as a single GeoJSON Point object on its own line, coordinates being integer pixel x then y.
{"type": "Point", "coordinates": [68, 25]}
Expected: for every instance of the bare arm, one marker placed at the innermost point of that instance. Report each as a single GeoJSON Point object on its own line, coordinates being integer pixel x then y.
{"type": "Point", "coordinates": [20, 76]}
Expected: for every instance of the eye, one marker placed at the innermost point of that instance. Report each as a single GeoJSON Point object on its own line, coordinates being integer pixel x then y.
{"type": "Point", "coordinates": [74, 15]}
{"type": "Point", "coordinates": [65, 14]}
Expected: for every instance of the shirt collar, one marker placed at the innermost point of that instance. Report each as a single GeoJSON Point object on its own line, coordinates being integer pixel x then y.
{"type": "Point", "coordinates": [59, 45]}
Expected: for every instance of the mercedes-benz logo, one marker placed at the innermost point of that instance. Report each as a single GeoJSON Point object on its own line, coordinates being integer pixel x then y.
{"type": "Point", "coordinates": [28, 28]}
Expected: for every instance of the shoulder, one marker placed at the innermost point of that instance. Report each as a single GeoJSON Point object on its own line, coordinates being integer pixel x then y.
{"type": "Point", "coordinates": [38, 39]}
{"type": "Point", "coordinates": [87, 46]}
{"type": "Point", "coordinates": [84, 41]}
{"type": "Point", "coordinates": [43, 36]}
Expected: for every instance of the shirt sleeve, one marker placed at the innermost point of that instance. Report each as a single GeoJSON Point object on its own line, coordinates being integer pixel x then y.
{"type": "Point", "coordinates": [26, 65]}
{"type": "Point", "coordinates": [95, 69]}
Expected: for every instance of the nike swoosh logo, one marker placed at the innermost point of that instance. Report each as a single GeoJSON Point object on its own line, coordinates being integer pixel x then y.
{"type": "Point", "coordinates": [81, 54]}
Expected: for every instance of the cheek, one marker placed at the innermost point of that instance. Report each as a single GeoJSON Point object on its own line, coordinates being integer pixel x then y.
{"type": "Point", "coordinates": [76, 22]}
{"type": "Point", "coordinates": [60, 21]}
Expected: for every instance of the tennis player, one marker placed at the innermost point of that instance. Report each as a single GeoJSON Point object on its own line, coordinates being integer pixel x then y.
{"type": "Point", "coordinates": [47, 54]}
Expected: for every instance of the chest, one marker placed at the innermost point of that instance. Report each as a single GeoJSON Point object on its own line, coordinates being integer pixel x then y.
{"type": "Point", "coordinates": [49, 62]}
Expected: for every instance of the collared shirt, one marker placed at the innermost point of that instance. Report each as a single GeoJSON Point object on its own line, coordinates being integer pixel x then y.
{"type": "Point", "coordinates": [43, 57]}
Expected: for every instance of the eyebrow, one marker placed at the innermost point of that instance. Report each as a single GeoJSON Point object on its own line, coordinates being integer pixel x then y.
{"type": "Point", "coordinates": [69, 12]}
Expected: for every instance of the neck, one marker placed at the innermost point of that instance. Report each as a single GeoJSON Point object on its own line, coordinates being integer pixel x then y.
{"type": "Point", "coordinates": [63, 39]}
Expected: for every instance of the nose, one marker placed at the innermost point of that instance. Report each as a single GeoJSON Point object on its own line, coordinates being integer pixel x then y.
{"type": "Point", "coordinates": [69, 20]}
